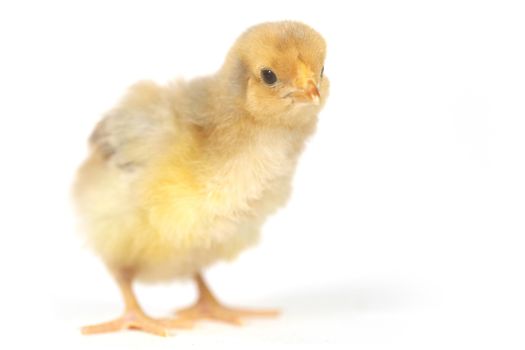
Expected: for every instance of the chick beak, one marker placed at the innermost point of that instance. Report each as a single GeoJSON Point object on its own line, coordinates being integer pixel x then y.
{"type": "Point", "coordinates": [313, 92]}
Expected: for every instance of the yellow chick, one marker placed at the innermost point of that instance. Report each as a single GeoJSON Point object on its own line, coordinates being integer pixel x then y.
{"type": "Point", "coordinates": [183, 175]}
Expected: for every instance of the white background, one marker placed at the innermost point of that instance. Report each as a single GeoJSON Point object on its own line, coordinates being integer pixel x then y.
{"type": "Point", "coordinates": [406, 226]}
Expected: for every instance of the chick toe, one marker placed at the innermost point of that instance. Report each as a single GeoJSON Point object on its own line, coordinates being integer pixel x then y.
{"type": "Point", "coordinates": [130, 320]}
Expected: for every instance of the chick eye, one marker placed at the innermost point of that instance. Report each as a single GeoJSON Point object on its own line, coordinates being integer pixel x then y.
{"type": "Point", "coordinates": [322, 72]}
{"type": "Point", "coordinates": [268, 76]}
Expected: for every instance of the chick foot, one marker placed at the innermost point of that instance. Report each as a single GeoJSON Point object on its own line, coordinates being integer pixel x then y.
{"type": "Point", "coordinates": [138, 321]}
{"type": "Point", "coordinates": [208, 307]}
{"type": "Point", "coordinates": [134, 317]}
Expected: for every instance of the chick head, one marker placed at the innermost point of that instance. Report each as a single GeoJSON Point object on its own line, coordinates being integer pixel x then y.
{"type": "Point", "coordinates": [277, 70]}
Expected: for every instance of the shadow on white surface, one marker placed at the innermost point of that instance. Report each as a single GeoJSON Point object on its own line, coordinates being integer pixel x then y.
{"type": "Point", "coordinates": [314, 301]}
{"type": "Point", "coordinates": [345, 299]}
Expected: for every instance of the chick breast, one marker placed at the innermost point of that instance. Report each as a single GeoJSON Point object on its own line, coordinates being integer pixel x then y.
{"type": "Point", "coordinates": [152, 199]}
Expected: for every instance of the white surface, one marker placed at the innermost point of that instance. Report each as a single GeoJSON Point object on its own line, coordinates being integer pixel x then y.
{"type": "Point", "coordinates": [406, 227]}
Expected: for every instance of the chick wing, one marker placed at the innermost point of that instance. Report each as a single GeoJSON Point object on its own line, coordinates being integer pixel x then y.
{"type": "Point", "coordinates": [137, 129]}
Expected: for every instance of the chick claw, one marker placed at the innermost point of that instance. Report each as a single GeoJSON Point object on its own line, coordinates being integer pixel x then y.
{"type": "Point", "coordinates": [138, 321]}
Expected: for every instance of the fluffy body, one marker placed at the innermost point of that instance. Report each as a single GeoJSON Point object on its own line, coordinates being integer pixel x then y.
{"type": "Point", "coordinates": [182, 175]}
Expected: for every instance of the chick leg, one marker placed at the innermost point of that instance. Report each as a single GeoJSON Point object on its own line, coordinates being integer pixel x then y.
{"type": "Point", "coordinates": [133, 317]}
{"type": "Point", "coordinates": [208, 307]}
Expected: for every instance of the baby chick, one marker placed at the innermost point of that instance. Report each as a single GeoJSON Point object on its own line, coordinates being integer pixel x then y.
{"type": "Point", "coordinates": [183, 175]}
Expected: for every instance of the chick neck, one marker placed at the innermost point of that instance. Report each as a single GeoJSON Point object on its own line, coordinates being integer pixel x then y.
{"type": "Point", "coordinates": [232, 128]}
